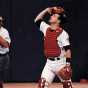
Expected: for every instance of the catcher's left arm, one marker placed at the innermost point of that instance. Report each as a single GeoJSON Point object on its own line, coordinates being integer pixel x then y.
{"type": "Point", "coordinates": [66, 72]}
{"type": "Point", "coordinates": [68, 54]}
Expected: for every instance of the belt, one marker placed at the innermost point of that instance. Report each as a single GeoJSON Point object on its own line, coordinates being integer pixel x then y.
{"type": "Point", "coordinates": [53, 58]}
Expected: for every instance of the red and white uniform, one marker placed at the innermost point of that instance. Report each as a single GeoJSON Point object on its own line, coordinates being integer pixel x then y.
{"type": "Point", "coordinates": [52, 67]}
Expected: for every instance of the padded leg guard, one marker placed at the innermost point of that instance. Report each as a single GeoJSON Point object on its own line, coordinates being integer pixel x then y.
{"type": "Point", "coordinates": [43, 83]}
{"type": "Point", "coordinates": [67, 84]}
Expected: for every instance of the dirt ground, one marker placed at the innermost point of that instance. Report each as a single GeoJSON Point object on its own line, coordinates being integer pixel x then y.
{"type": "Point", "coordinates": [34, 85]}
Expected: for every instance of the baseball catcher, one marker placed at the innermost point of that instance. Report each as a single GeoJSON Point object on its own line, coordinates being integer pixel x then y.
{"type": "Point", "coordinates": [56, 47]}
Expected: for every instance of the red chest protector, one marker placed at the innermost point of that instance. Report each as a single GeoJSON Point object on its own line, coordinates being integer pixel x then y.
{"type": "Point", "coordinates": [51, 47]}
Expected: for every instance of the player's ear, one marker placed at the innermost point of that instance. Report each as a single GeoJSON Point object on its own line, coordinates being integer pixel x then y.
{"type": "Point", "coordinates": [63, 18]}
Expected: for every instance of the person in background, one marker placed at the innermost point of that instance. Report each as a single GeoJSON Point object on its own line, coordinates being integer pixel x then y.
{"type": "Point", "coordinates": [4, 50]}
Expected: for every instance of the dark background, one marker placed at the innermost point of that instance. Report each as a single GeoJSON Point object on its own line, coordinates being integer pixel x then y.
{"type": "Point", "coordinates": [26, 54]}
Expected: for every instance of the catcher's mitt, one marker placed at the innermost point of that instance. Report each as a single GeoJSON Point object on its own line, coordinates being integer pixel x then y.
{"type": "Point", "coordinates": [65, 73]}
{"type": "Point", "coordinates": [57, 10]}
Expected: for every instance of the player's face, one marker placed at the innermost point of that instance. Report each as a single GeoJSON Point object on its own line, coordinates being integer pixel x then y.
{"type": "Point", "coordinates": [54, 18]}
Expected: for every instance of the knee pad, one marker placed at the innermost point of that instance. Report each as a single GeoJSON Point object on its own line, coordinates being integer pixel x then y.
{"type": "Point", "coordinates": [67, 84]}
{"type": "Point", "coordinates": [43, 83]}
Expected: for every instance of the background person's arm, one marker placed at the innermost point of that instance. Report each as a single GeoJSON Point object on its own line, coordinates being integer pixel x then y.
{"type": "Point", "coordinates": [5, 39]}
{"type": "Point", "coordinates": [4, 43]}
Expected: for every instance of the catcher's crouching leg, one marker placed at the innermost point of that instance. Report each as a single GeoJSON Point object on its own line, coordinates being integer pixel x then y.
{"type": "Point", "coordinates": [43, 83]}
{"type": "Point", "coordinates": [66, 74]}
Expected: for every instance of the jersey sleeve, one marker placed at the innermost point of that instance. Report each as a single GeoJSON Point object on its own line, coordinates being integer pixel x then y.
{"type": "Point", "coordinates": [63, 39]}
{"type": "Point", "coordinates": [5, 35]}
{"type": "Point", "coordinates": [43, 26]}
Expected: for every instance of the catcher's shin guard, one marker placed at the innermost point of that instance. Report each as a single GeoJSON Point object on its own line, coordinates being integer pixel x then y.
{"type": "Point", "coordinates": [67, 84]}
{"type": "Point", "coordinates": [43, 83]}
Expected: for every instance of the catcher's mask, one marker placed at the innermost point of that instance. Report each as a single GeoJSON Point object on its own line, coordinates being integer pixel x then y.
{"type": "Point", "coordinates": [62, 15]}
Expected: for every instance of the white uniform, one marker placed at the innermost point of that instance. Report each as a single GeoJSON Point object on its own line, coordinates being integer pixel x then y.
{"type": "Point", "coordinates": [5, 35]}
{"type": "Point", "coordinates": [52, 67]}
